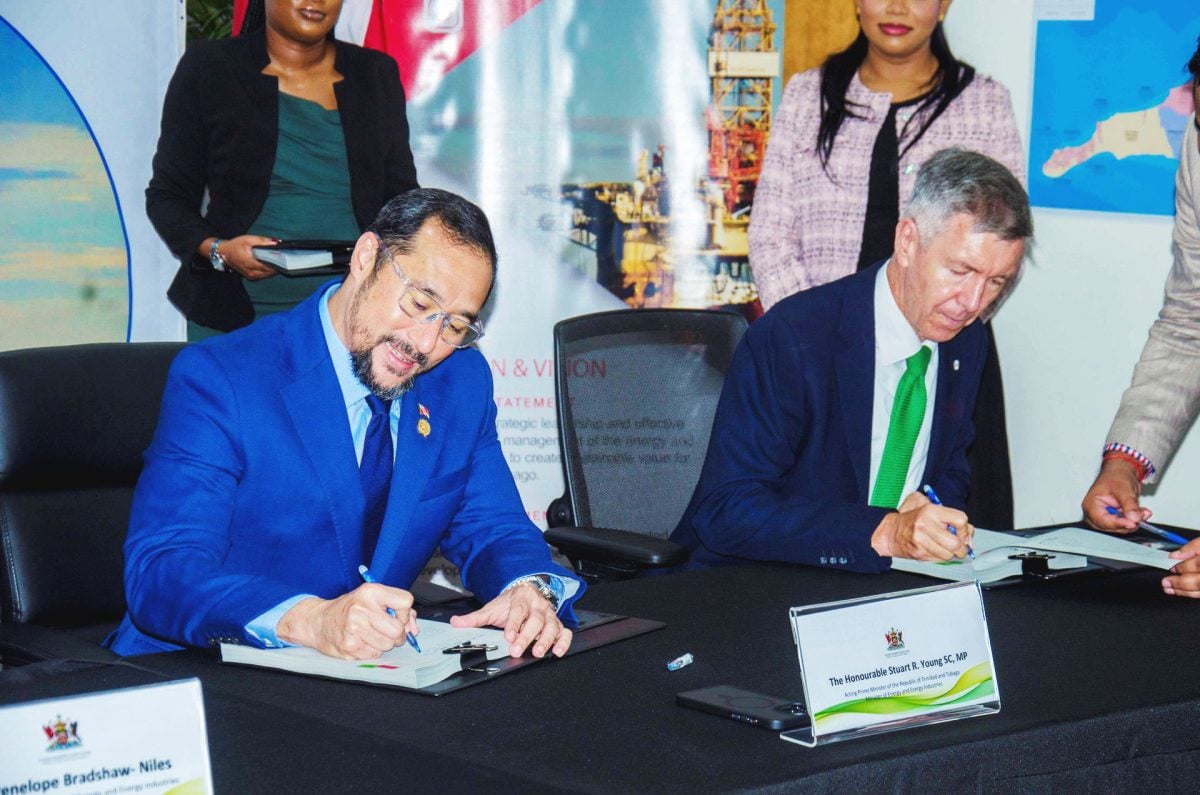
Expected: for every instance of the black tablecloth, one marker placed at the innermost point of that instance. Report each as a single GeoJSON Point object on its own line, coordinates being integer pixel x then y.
{"type": "Point", "coordinates": [1099, 678]}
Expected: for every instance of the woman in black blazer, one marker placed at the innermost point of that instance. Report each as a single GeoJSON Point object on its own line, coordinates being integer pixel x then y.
{"type": "Point", "coordinates": [221, 134]}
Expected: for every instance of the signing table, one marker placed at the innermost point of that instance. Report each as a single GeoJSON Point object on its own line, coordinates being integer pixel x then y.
{"type": "Point", "coordinates": [1099, 677]}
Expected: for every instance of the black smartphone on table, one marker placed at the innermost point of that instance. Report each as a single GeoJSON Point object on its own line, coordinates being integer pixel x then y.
{"type": "Point", "coordinates": [757, 709]}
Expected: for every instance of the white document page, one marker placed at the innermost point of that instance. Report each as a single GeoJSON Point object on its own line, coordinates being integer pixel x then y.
{"type": "Point", "coordinates": [993, 553]}
{"type": "Point", "coordinates": [1070, 546]}
{"type": "Point", "coordinates": [403, 666]}
{"type": "Point", "coordinates": [1095, 544]}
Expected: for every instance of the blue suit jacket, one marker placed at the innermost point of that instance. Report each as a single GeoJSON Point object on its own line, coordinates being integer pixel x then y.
{"type": "Point", "coordinates": [787, 473]}
{"type": "Point", "coordinates": [251, 494]}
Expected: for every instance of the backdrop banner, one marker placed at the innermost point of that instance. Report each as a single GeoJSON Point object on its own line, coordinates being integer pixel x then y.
{"type": "Point", "coordinates": [82, 86]}
{"type": "Point", "coordinates": [615, 152]}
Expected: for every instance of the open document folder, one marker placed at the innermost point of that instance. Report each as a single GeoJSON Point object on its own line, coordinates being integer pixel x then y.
{"type": "Point", "coordinates": [1069, 548]}
{"type": "Point", "coordinates": [403, 666]}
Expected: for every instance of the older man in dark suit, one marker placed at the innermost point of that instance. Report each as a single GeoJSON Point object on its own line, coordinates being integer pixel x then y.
{"type": "Point", "coordinates": [845, 398]}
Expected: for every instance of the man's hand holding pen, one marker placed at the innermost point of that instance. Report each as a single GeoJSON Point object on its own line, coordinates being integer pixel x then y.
{"type": "Point", "coordinates": [919, 530]}
{"type": "Point", "coordinates": [1117, 486]}
{"type": "Point", "coordinates": [354, 626]}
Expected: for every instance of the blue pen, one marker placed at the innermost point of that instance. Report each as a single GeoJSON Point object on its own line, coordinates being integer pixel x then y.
{"type": "Point", "coordinates": [933, 497]}
{"type": "Point", "coordinates": [367, 577]}
{"type": "Point", "coordinates": [1149, 528]}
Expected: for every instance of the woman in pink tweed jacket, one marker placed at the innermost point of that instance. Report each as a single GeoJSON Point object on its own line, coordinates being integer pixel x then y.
{"type": "Point", "coordinates": [806, 225]}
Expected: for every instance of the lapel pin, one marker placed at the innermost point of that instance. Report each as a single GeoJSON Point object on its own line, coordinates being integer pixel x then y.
{"type": "Point", "coordinates": [423, 427]}
{"type": "Point", "coordinates": [424, 412]}
{"type": "Point", "coordinates": [955, 365]}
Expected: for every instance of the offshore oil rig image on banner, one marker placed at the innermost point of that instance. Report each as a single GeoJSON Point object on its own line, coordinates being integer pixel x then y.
{"type": "Point", "coordinates": [628, 224]}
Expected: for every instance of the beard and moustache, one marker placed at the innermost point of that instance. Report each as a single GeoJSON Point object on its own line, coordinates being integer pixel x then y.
{"type": "Point", "coordinates": [360, 360]}
{"type": "Point", "coordinates": [360, 357]}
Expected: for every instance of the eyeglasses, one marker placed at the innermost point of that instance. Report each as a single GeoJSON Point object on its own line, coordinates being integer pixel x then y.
{"type": "Point", "coordinates": [455, 330]}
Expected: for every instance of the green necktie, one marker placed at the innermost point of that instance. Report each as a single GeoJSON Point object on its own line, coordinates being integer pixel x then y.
{"type": "Point", "coordinates": [908, 411]}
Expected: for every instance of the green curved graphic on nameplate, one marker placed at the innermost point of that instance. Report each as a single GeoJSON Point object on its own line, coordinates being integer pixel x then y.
{"type": "Point", "coordinates": [974, 683]}
{"type": "Point", "coordinates": [194, 787]}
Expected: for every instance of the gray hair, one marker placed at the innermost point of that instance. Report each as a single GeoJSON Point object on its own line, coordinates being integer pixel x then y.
{"type": "Point", "coordinates": [958, 182]}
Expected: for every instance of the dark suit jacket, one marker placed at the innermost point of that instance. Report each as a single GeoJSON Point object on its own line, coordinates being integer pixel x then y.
{"type": "Point", "coordinates": [787, 473]}
{"type": "Point", "coordinates": [251, 494]}
{"type": "Point", "coordinates": [220, 127]}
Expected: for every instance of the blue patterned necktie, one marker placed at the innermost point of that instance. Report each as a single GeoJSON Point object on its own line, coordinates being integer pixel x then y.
{"type": "Point", "coordinates": [376, 471]}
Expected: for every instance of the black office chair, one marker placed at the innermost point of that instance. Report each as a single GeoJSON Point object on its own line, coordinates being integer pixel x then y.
{"type": "Point", "coordinates": [636, 393]}
{"type": "Point", "coordinates": [74, 422]}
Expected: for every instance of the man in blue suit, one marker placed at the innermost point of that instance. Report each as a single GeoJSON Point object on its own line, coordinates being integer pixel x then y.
{"type": "Point", "coordinates": [271, 473]}
{"type": "Point", "coordinates": [819, 432]}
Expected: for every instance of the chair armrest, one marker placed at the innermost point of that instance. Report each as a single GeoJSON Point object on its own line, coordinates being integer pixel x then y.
{"type": "Point", "coordinates": [606, 545]}
{"type": "Point", "coordinates": [21, 644]}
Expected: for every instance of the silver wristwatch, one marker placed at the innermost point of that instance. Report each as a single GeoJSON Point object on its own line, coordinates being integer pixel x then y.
{"type": "Point", "coordinates": [539, 582]}
{"type": "Point", "coordinates": [214, 256]}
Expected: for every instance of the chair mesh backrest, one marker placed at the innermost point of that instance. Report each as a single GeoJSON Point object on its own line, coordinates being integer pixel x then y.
{"type": "Point", "coordinates": [636, 394]}
{"type": "Point", "coordinates": [74, 421]}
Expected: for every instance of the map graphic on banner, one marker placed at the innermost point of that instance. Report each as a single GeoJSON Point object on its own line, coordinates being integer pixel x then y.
{"type": "Point", "coordinates": [1111, 101]}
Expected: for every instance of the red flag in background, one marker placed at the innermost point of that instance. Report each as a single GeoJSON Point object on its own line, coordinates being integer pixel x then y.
{"type": "Point", "coordinates": [427, 38]}
{"type": "Point", "coordinates": [239, 13]}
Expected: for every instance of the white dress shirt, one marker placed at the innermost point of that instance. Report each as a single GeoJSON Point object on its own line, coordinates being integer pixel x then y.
{"type": "Point", "coordinates": [895, 341]}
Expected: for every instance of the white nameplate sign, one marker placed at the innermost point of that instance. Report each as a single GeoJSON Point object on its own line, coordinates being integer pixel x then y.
{"type": "Point", "coordinates": [145, 740]}
{"type": "Point", "coordinates": [894, 661]}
